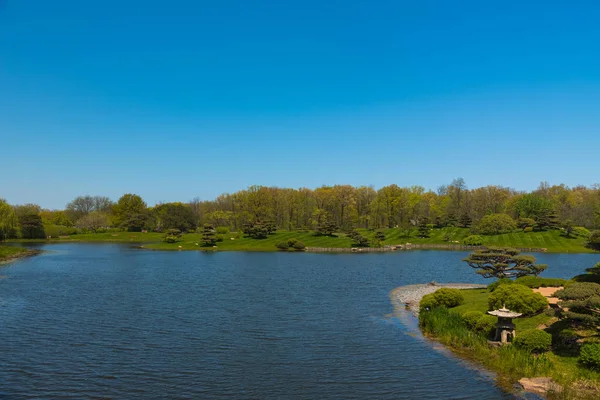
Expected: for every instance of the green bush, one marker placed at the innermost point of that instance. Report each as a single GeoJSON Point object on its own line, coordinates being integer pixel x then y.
{"type": "Point", "coordinates": [495, 224]}
{"type": "Point", "coordinates": [533, 340]}
{"type": "Point", "coordinates": [565, 340]}
{"type": "Point", "coordinates": [291, 244]}
{"type": "Point", "coordinates": [528, 229]}
{"type": "Point", "coordinates": [580, 231]}
{"type": "Point", "coordinates": [222, 230]}
{"type": "Point", "coordinates": [590, 355]}
{"type": "Point", "coordinates": [525, 223]}
{"type": "Point", "coordinates": [473, 240]}
{"type": "Point", "coordinates": [59, 230]}
{"type": "Point", "coordinates": [594, 240]}
{"type": "Point", "coordinates": [538, 282]}
{"type": "Point", "coordinates": [517, 298]}
{"type": "Point", "coordinates": [502, 281]}
{"type": "Point", "coordinates": [486, 325]}
{"type": "Point", "coordinates": [172, 236]}
{"type": "Point", "coordinates": [471, 318]}
{"type": "Point", "coordinates": [444, 297]}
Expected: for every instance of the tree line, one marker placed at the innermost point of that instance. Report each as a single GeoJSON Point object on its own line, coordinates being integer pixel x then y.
{"type": "Point", "coordinates": [486, 210]}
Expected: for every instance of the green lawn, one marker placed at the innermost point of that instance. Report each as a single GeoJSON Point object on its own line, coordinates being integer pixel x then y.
{"type": "Point", "coordinates": [7, 252]}
{"type": "Point", "coordinates": [551, 240]}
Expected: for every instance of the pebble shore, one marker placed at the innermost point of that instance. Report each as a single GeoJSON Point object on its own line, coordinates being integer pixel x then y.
{"type": "Point", "coordinates": [410, 296]}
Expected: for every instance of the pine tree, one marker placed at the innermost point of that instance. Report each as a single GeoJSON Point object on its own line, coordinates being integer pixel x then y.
{"type": "Point", "coordinates": [465, 220]}
{"type": "Point", "coordinates": [209, 235]}
{"type": "Point", "coordinates": [423, 228]}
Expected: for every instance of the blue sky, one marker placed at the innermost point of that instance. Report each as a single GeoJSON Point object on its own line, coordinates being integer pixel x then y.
{"type": "Point", "coordinates": [173, 100]}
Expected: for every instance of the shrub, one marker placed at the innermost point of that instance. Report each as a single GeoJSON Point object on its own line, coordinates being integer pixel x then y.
{"type": "Point", "coordinates": [538, 282]}
{"type": "Point", "coordinates": [222, 230]}
{"type": "Point", "coordinates": [517, 298]}
{"type": "Point", "coordinates": [594, 240]}
{"type": "Point", "coordinates": [473, 240]}
{"type": "Point", "coordinates": [444, 297]}
{"type": "Point", "coordinates": [528, 229]}
{"type": "Point", "coordinates": [471, 318]}
{"type": "Point", "coordinates": [565, 340]}
{"type": "Point", "coordinates": [495, 224]}
{"type": "Point", "coordinates": [290, 244]}
{"type": "Point", "coordinates": [533, 340]}
{"type": "Point", "coordinates": [486, 325]}
{"type": "Point", "coordinates": [502, 281]}
{"type": "Point", "coordinates": [590, 355]}
{"type": "Point", "coordinates": [283, 245]}
{"type": "Point", "coordinates": [580, 231]}
{"type": "Point", "coordinates": [525, 223]}
{"type": "Point", "coordinates": [172, 236]}
{"type": "Point", "coordinates": [59, 230]}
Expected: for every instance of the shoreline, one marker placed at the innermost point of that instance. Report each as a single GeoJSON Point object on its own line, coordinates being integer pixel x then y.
{"type": "Point", "coordinates": [410, 296]}
{"type": "Point", "coordinates": [17, 256]}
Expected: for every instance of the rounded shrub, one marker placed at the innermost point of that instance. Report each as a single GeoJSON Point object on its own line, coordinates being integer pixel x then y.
{"type": "Point", "coordinates": [444, 297]}
{"type": "Point", "coordinates": [222, 230]}
{"type": "Point", "coordinates": [590, 355]}
{"type": "Point", "coordinates": [486, 325]}
{"type": "Point", "coordinates": [533, 340]}
{"type": "Point", "coordinates": [473, 240]}
{"type": "Point", "coordinates": [565, 339]}
{"type": "Point", "coordinates": [517, 298]}
{"type": "Point", "coordinates": [495, 224]}
{"type": "Point", "coordinates": [471, 318]}
{"type": "Point", "coordinates": [502, 281]}
{"type": "Point", "coordinates": [283, 245]}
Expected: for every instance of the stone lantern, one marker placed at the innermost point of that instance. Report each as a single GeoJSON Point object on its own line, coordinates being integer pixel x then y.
{"type": "Point", "coordinates": [505, 329]}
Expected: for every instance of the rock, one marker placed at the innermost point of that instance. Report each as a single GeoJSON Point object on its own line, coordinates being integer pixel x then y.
{"type": "Point", "coordinates": [540, 385]}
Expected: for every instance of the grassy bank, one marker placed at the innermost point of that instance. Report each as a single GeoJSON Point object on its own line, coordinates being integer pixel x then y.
{"type": "Point", "coordinates": [553, 241]}
{"type": "Point", "coordinates": [510, 363]}
{"type": "Point", "coordinates": [8, 253]}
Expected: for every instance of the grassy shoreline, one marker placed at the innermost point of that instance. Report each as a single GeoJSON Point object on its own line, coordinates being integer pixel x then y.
{"type": "Point", "coordinates": [10, 253]}
{"type": "Point", "coordinates": [552, 241]}
{"type": "Point", "coordinates": [509, 363]}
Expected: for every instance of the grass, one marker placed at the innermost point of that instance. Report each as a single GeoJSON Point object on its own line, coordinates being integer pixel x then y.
{"type": "Point", "coordinates": [551, 240]}
{"type": "Point", "coordinates": [9, 252]}
{"type": "Point", "coordinates": [509, 362]}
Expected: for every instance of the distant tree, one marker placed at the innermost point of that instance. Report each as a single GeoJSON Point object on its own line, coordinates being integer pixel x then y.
{"type": "Point", "coordinates": [379, 235]}
{"type": "Point", "coordinates": [9, 223]}
{"type": "Point", "coordinates": [450, 220]}
{"type": "Point", "coordinates": [568, 228]}
{"type": "Point", "coordinates": [532, 205]}
{"type": "Point", "coordinates": [209, 235]}
{"type": "Point", "coordinates": [131, 213]}
{"type": "Point", "coordinates": [594, 240]}
{"type": "Point", "coordinates": [523, 223]}
{"type": "Point", "coordinates": [423, 231]}
{"type": "Point", "coordinates": [547, 220]}
{"type": "Point", "coordinates": [55, 217]}
{"type": "Point", "coordinates": [93, 221]}
{"type": "Point", "coordinates": [172, 236]}
{"type": "Point", "coordinates": [80, 206]}
{"type": "Point", "coordinates": [465, 220]}
{"type": "Point", "coordinates": [495, 224]}
{"type": "Point", "coordinates": [326, 226]}
{"type": "Point", "coordinates": [358, 240]}
{"type": "Point", "coordinates": [257, 230]}
{"type": "Point", "coordinates": [174, 216]}
{"type": "Point", "coordinates": [31, 226]}
{"type": "Point", "coordinates": [501, 263]}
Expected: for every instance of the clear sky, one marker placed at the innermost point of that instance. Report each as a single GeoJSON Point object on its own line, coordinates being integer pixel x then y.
{"type": "Point", "coordinates": [177, 99]}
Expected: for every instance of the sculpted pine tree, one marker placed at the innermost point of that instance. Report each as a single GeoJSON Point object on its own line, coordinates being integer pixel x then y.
{"type": "Point", "coordinates": [503, 263]}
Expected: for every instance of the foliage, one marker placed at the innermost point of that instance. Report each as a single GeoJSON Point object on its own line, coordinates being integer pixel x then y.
{"type": "Point", "coordinates": [568, 228]}
{"type": "Point", "coordinates": [502, 281]}
{"type": "Point", "coordinates": [379, 235]}
{"type": "Point", "coordinates": [31, 225]}
{"type": "Point", "coordinates": [533, 340]}
{"type": "Point", "coordinates": [131, 213]}
{"type": "Point", "coordinates": [565, 340]}
{"type": "Point", "coordinates": [583, 302]}
{"type": "Point", "coordinates": [172, 236]}
{"type": "Point", "coordinates": [465, 220]}
{"type": "Point", "coordinates": [517, 298]}
{"type": "Point", "coordinates": [486, 325]}
{"type": "Point", "coordinates": [291, 244]}
{"type": "Point", "coordinates": [93, 221]}
{"type": "Point", "coordinates": [174, 216]}
{"type": "Point", "coordinates": [590, 355]}
{"type": "Point", "coordinates": [223, 230]}
{"type": "Point", "coordinates": [83, 205]}
{"type": "Point", "coordinates": [548, 219]}
{"type": "Point", "coordinates": [524, 223]}
{"type": "Point", "coordinates": [358, 240]}
{"type": "Point", "coordinates": [532, 205]}
{"type": "Point", "coordinates": [209, 235]}
{"type": "Point", "coordinates": [423, 230]}
{"type": "Point", "coordinates": [326, 226]}
{"type": "Point", "coordinates": [55, 231]}
{"type": "Point", "coordinates": [538, 282]}
{"type": "Point", "coordinates": [473, 240]}
{"type": "Point", "coordinates": [444, 297]}
{"type": "Point", "coordinates": [495, 224]}
{"type": "Point", "coordinates": [258, 230]}
{"type": "Point", "coordinates": [594, 240]}
{"type": "Point", "coordinates": [503, 263]}
{"type": "Point", "coordinates": [471, 318]}
{"type": "Point", "coordinates": [9, 222]}
{"type": "Point", "coordinates": [580, 231]}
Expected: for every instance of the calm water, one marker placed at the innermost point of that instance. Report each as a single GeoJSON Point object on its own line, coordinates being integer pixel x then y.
{"type": "Point", "coordinates": [107, 321]}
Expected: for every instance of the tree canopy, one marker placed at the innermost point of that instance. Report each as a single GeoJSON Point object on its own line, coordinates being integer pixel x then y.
{"type": "Point", "coordinates": [495, 262]}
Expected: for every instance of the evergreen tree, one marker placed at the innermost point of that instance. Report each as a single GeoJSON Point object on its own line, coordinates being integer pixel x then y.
{"type": "Point", "coordinates": [465, 220]}
{"type": "Point", "coordinates": [209, 235]}
{"type": "Point", "coordinates": [423, 231]}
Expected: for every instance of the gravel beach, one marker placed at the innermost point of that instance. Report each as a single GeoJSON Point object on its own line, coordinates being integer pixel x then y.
{"type": "Point", "coordinates": [409, 296]}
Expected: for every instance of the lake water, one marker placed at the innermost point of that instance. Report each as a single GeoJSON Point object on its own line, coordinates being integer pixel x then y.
{"type": "Point", "coordinates": [109, 321]}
